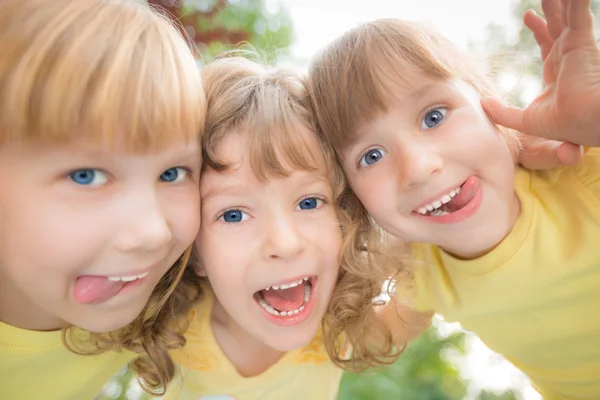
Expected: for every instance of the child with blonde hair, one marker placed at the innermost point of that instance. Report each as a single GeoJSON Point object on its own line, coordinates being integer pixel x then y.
{"type": "Point", "coordinates": [509, 253]}
{"type": "Point", "coordinates": [101, 111]}
{"type": "Point", "coordinates": [277, 223]}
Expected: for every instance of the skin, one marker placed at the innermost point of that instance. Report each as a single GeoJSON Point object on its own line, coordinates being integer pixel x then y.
{"type": "Point", "coordinates": [256, 234]}
{"type": "Point", "coordinates": [400, 163]}
{"type": "Point", "coordinates": [74, 210]}
{"type": "Point", "coordinates": [567, 109]}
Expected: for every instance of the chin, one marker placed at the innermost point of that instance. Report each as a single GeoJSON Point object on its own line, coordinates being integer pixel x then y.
{"type": "Point", "coordinates": [108, 324]}
{"type": "Point", "coordinates": [296, 339]}
{"type": "Point", "coordinates": [291, 344]}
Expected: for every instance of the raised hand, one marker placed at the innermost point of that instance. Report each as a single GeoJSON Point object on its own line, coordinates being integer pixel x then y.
{"type": "Point", "coordinates": [569, 107]}
{"type": "Point", "coordinates": [540, 153]}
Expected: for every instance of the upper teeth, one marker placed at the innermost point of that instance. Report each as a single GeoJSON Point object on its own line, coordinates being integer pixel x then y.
{"type": "Point", "coordinates": [127, 278]}
{"type": "Point", "coordinates": [288, 285]}
{"type": "Point", "coordinates": [438, 203]}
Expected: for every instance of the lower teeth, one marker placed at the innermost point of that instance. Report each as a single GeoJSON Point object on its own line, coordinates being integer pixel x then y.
{"type": "Point", "coordinates": [271, 310]}
{"type": "Point", "coordinates": [438, 213]}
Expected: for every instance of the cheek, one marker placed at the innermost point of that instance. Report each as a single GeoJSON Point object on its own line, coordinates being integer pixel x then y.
{"type": "Point", "coordinates": [184, 213]}
{"type": "Point", "coordinates": [223, 261]}
{"type": "Point", "coordinates": [48, 238]}
{"type": "Point", "coordinates": [377, 192]}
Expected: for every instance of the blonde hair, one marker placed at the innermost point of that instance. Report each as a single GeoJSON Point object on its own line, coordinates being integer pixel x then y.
{"type": "Point", "coordinates": [351, 82]}
{"type": "Point", "coordinates": [119, 74]}
{"type": "Point", "coordinates": [270, 106]}
{"type": "Point", "coordinates": [113, 71]}
{"type": "Point", "coordinates": [351, 78]}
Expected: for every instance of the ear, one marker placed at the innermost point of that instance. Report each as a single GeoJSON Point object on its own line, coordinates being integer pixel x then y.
{"type": "Point", "coordinates": [199, 268]}
{"type": "Point", "coordinates": [196, 263]}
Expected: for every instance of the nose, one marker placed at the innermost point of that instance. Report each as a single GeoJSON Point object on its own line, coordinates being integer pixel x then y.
{"type": "Point", "coordinates": [145, 226]}
{"type": "Point", "coordinates": [283, 237]}
{"type": "Point", "coordinates": [417, 165]}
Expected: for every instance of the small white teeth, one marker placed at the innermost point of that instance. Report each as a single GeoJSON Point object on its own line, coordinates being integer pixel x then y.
{"type": "Point", "coordinates": [127, 278]}
{"type": "Point", "coordinates": [288, 285]}
{"type": "Point", "coordinates": [438, 203]}
{"type": "Point", "coordinates": [271, 310]}
{"type": "Point", "coordinates": [307, 289]}
{"type": "Point", "coordinates": [438, 213]}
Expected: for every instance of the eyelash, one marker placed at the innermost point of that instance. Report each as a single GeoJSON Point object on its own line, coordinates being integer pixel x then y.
{"type": "Point", "coordinates": [323, 201]}
{"type": "Point", "coordinates": [363, 155]}
{"type": "Point", "coordinates": [440, 107]}
{"type": "Point", "coordinates": [318, 198]}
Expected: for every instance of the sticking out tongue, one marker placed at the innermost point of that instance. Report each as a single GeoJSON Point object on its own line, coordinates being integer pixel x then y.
{"type": "Point", "coordinates": [467, 191]}
{"type": "Point", "coordinates": [96, 289]}
{"type": "Point", "coordinates": [285, 299]}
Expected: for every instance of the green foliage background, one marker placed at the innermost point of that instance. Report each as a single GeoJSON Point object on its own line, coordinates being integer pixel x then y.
{"type": "Point", "coordinates": [423, 372]}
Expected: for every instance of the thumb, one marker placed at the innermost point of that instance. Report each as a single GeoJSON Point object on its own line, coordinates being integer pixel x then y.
{"type": "Point", "coordinates": [569, 153]}
{"type": "Point", "coordinates": [500, 114]}
{"type": "Point", "coordinates": [539, 153]}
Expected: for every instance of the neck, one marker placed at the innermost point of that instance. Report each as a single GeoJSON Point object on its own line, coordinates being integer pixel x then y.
{"type": "Point", "coordinates": [472, 253]}
{"type": "Point", "coordinates": [249, 356]}
{"type": "Point", "coordinates": [19, 311]}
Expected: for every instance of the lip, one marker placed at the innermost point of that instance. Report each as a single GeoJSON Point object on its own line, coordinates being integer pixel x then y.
{"type": "Point", "coordinates": [458, 216]}
{"type": "Point", "coordinates": [289, 280]}
{"type": "Point", "coordinates": [438, 196]}
{"type": "Point", "coordinates": [296, 318]}
{"type": "Point", "coordinates": [129, 286]}
{"type": "Point", "coordinates": [134, 272]}
{"type": "Point", "coordinates": [90, 294]}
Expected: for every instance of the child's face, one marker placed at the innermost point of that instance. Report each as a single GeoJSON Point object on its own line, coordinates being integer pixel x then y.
{"type": "Point", "coordinates": [86, 234]}
{"type": "Point", "coordinates": [435, 145]}
{"type": "Point", "coordinates": [257, 238]}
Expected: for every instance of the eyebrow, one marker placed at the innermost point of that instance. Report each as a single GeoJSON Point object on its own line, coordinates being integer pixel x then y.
{"type": "Point", "coordinates": [421, 92]}
{"type": "Point", "coordinates": [223, 189]}
{"type": "Point", "coordinates": [235, 186]}
{"type": "Point", "coordinates": [309, 178]}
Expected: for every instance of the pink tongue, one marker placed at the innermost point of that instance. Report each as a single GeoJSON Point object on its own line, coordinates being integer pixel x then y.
{"type": "Point", "coordinates": [96, 289]}
{"type": "Point", "coordinates": [467, 191]}
{"type": "Point", "coordinates": [285, 299]}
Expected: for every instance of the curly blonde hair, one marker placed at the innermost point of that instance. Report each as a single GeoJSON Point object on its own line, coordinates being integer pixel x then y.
{"type": "Point", "coordinates": [272, 104]}
{"type": "Point", "coordinates": [350, 83]}
{"type": "Point", "coordinates": [120, 74]}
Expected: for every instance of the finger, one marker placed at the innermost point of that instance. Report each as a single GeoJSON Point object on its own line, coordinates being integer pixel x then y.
{"type": "Point", "coordinates": [570, 153]}
{"type": "Point", "coordinates": [554, 15]}
{"type": "Point", "coordinates": [538, 26]}
{"type": "Point", "coordinates": [580, 16]}
{"type": "Point", "coordinates": [565, 12]}
{"type": "Point", "coordinates": [500, 114]}
{"type": "Point", "coordinates": [539, 153]}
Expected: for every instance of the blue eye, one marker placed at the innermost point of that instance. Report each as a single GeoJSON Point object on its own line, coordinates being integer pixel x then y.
{"type": "Point", "coordinates": [88, 177]}
{"type": "Point", "coordinates": [371, 157]}
{"type": "Point", "coordinates": [234, 216]}
{"type": "Point", "coordinates": [309, 203]}
{"type": "Point", "coordinates": [175, 174]}
{"type": "Point", "coordinates": [433, 118]}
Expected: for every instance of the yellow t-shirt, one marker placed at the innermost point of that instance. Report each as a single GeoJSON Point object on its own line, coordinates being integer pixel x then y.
{"type": "Point", "coordinates": [535, 298]}
{"type": "Point", "coordinates": [36, 365]}
{"type": "Point", "coordinates": [206, 372]}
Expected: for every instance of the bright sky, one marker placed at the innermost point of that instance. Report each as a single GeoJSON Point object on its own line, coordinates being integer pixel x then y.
{"type": "Point", "coordinates": [319, 21]}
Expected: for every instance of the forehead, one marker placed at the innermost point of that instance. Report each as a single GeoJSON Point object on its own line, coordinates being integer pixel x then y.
{"type": "Point", "coordinates": [235, 147]}
{"type": "Point", "coordinates": [424, 91]}
{"type": "Point", "coordinates": [235, 150]}
{"type": "Point", "coordinates": [44, 150]}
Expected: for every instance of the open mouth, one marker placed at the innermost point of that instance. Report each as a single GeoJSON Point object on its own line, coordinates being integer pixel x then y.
{"type": "Point", "coordinates": [451, 202]}
{"type": "Point", "coordinates": [95, 289]}
{"type": "Point", "coordinates": [464, 198]}
{"type": "Point", "coordinates": [289, 299]}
